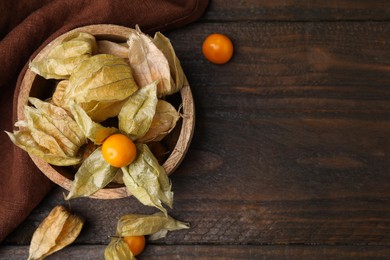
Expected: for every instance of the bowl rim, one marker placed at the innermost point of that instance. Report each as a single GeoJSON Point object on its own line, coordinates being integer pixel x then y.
{"type": "Point", "coordinates": [188, 114]}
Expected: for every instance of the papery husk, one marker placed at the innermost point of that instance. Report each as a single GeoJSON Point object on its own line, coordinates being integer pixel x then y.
{"type": "Point", "coordinates": [61, 120]}
{"type": "Point", "coordinates": [177, 73]}
{"type": "Point", "coordinates": [94, 174]}
{"type": "Point", "coordinates": [58, 229]}
{"type": "Point", "coordinates": [46, 140]}
{"type": "Point", "coordinates": [65, 57]}
{"type": "Point", "coordinates": [102, 77]}
{"type": "Point", "coordinates": [163, 122]}
{"type": "Point", "coordinates": [148, 62]}
{"type": "Point", "coordinates": [98, 84]}
{"type": "Point", "coordinates": [58, 95]}
{"type": "Point", "coordinates": [101, 110]}
{"type": "Point", "coordinates": [109, 47]}
{"type": "Point", "coordinates": [156, 225]}
{"type": "Point", "coordinates": [55, 141]}
{"type": "Point", "coordinates": [118, 249]}
{"type": "Point", "coordinates": [92, 130]}
{"type": "Point", "coordinates": [137, 113]}
{"type": "Point", "coordinates": [49, 133]}
{"type": "Point", "coordinates": [25, 141]}
{"type": "Point", "coordinates": [147, 180]}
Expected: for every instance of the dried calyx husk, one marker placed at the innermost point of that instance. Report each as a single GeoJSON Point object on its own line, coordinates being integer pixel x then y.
{"type": "Point", "coordinates": [114, 48]}
{"type": "Point", "coordinates": [49, 133]}
{"type": "Point", "coordinates": [177, 74]}
{"type": "Point", "coordinates": [59, 229]}
{"type": "Point", "coordinates": [92, 130]}
{"type": "Point", "coordinates": [137, 113]}
{"type": "Point", "coordinates": [147, 180]}
{"type": "Point", "coordinates": [156, 226]}
{"type": "Point", "coordinates": [94, 174]}
{"type": "Point", "coordinates": [65, 57]}
{"type": "Point", "coordinates": [58, 95]}
{"type": "Point", "coordinates": [155, 59]}
{"type": "Point", "coordinates": [100, 85]}
{"type": "Point", "coordinates": [163, 122]}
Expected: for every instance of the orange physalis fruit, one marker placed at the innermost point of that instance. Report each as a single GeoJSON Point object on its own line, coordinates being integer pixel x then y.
{"type": "Point", "coordinates": [135, 243]}
{"type": "Point", "coordinates": [217, 48]}
{"type": "Point", "coordinates": [119, 150]}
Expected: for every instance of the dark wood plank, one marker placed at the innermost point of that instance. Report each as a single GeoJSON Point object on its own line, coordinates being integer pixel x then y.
{"type": "Point", "coordinates": [169, 252]}
{"type": "Point", "coordinates": [292, 141]}
{"type": "Point", "coordinates": [297, 10]}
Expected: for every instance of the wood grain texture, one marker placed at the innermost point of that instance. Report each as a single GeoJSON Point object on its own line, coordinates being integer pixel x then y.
{"type": "Point", "coordinates": [168, 252]}
{"type": "Point", "coordinates": [297, 10]}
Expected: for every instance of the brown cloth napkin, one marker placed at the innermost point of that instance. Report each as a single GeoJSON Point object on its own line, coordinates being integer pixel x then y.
{"type": "Point", "coordinates": [26, 26]}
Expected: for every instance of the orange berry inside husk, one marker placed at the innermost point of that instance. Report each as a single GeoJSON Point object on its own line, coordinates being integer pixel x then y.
{"type": "Point", "coordinates": [135, 243]}
{"type": "Point", "coordinates": [119, 150]}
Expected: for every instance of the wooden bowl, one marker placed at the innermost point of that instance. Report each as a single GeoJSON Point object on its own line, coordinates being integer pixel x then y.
{"type": "Point", "coordinates": [178, 140]}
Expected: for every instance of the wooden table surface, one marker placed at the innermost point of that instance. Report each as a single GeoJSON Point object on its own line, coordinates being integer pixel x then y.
{"type": "Point", "coordinates": [290, 155]}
